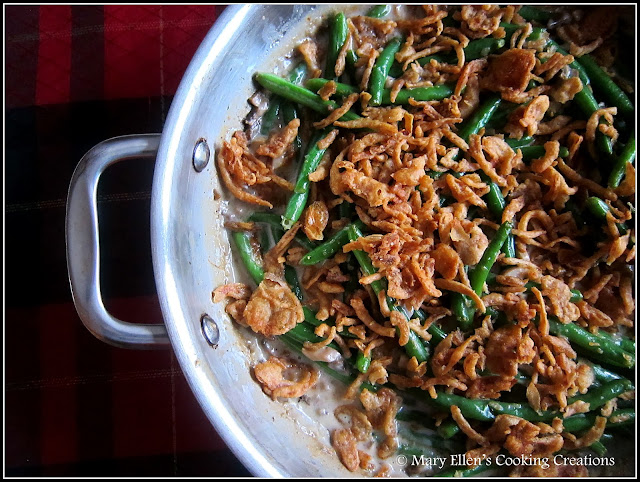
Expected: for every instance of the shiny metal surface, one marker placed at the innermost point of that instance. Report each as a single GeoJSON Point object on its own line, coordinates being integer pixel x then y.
{"type": "Point", "coordinates": [191, 251]}
{"type": "Point", "coordinates": [210, 330]}
{"type": "Point", "coordinates": [201, 155]}
{"type": "Point", "coordinates": [83, 244]}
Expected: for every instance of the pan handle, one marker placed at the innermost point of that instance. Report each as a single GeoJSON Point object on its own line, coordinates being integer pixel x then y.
{"type": "Point", "coordinates": [83, 245]}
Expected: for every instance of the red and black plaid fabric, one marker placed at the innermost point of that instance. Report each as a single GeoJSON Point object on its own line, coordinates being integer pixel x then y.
{"type": "Point", "coordinates": [74, 406]}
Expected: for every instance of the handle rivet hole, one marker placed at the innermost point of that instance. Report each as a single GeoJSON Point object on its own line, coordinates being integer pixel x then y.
{"type": "Point", "coordinates": [210, 330]}
{"type": "Point", "coordinates": [201, 155]}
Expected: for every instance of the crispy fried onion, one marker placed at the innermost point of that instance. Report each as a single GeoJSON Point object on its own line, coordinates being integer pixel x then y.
{"type": "Point", "coordinates": [273, 373]}
{"type": "Point", "coordinates": [239, 168]}
{"type": "Point", "coordinates": [521, 437]}
{"type": "Point", "coordinates": [381, 408]}
{"type": "Point", "coordinates": [273, 308]}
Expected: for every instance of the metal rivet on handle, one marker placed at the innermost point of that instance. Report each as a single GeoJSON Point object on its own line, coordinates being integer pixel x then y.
{"type": "Point", "coordinates": [201, 154]}
{"type": "Point", "coordinates": [210, 330]}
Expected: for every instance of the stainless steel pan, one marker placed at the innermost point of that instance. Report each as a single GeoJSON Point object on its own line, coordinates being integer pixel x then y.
{"type": "Point", "coordinates": [190, 249]}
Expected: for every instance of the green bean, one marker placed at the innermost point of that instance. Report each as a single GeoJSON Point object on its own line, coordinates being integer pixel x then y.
{"type": "Point", "coordinates": [509, 247]}
{"type": "Point", "coordinates": [602, 346]}
{"type": "Point", "coordinates": [511, 28]}
{"type": "Point", "coordinates": [296, 345]}
{"type": "Point", "coordinates": [289, 113]}
{"type": "Point", "coordinates": [598, 347]}
{"type": "Point", "coordinates": [476, 49]}
{"type": "Point", "coordinates": [478, 120]}
{"type": "Point", "coordinates": [414, 347]}
{"type": "Point", "coordinates": [474, 409]}
{"type": "Point", "coordinates": [501, 116]}
{"type": "Point", "coordinates": [576, 295]}
{"type": "Point", "coordinates": [291, 278]}
{"type": "Point", "coordinates": [583, 421]}
{"type": "Point", "coordinates": [271, 115]}
{"type": "Point", "coordinates": [448, 429]}
{"type": "Point", "coordinates": [248, 255]}
{"type": "Point", "coordinates": [533, 14]}
{"type": "Point", "coordinates": [420, 444]}
{"type": "Point", "coordinates": [437, 333]}
{"type": "Point", "coordinates": [265, 240]}
{"type": "Point", "coordinates": [290, 275]}
{"type": "Point", "coordinates": [623, 417]}
{"type": "Point", "coordinates": [481, 48]}
{"type": "Point", "coordinates": [487, 410]}
{"type": "Point", "coordinates": [310, 318]}
{"type": "Point", "coordinates": [597, 397]}
{"type": "Point", "coordinates": [436, 92]}
{"type": "Point", "coordinates": [599, 209]}
{"type": "Point", "coordinates": [337, 38]}
{"type": "Point", "coordinates": [576, 213]}
{"type": "Point", "coordinates": [298, 200]}
{"type": "Point", "coordinates": [413, 451]}
{"type": "Point", "coordinates": [627, 156]}
{"type": "Point", "coordinates": [601, 374]}
{"type": "Point", "coordinates": [300, 95]}
{"type": "Point", "coordinates": [524, 141]}
{"type": "Point", "coordinates": [379, 11]}
{"type": "Point", "coordinates": [350, 64]}
{"type": "Point", "coordinates": [381, 70]}
{"type": "Point", "coordinates": [276, 103]}
{"type": "Point", "coordinates": [352, 58]}
{"type": "Point", "coordinates": [587, 103]}
{"type": "Point", "coordinates": [492, 311]}
{"type": "Point", "coordinates": [623, 342]}
{"type": "Point", "coordinates": [414, 416]}
{"type": "Point", "coordinates": [330, 247]}
{"type": "Point", "coordinates": [461, 304]}
{"type": "Point", "coordinates": [480, 117]}
{"type": "Point", "coordinates": [346, 210]}
{"type": "Point", "coordinates": [289, 110]}
{"type": "Point", "coordinates": [598, 447]}
{"type": "Point", "coordinates": [437, 174]}
{"type": "Point", "coordinates": [461, 308]}
{"type": "Point", "coordinates": [607, 87]}
{"type": "Point", "coordinates": [363, 362]}
{"type": "Point", "coordinates": [494, 199]}
{"type": "Point", "coordinates": [303, 332]}
{"type": "Point", "coordinates": [478, 275]}
{"type": "Point", "coordinates": [298, 73]}
{"type": "Point", "coordinates": [534, 152]}
{"type": "Point", "coordinates": [273, 220]}
{"type": "Point", "coordinates": [578, 422]}
{"type": "Point", "coordinates": [582, 73]}
{"type": "Point", "coordinates": [342, 89]}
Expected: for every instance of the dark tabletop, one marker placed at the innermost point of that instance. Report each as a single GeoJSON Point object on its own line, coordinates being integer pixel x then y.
{"type": "Point", "coordinates": [74, 406]}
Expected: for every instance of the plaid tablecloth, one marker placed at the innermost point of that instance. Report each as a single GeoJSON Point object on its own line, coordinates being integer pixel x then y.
{"type": "Point", "coordinates": [74, 406]}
